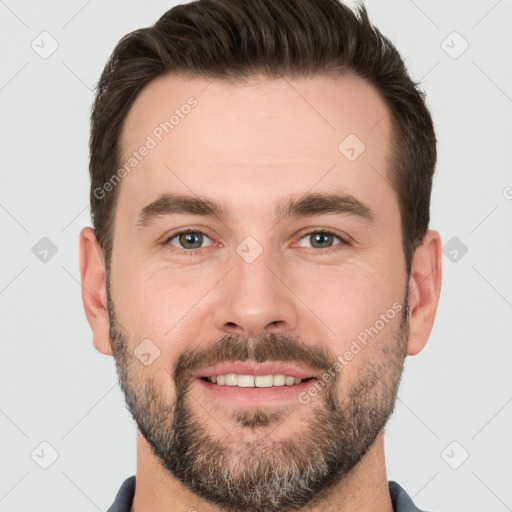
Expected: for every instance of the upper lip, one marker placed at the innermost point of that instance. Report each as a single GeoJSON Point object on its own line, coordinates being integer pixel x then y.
{"type": "Point", "coordinates": [246, 368]}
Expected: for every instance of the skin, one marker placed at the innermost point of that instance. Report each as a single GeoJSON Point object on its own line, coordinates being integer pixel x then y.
{"type": "Point", "coordinates": [253, 146]}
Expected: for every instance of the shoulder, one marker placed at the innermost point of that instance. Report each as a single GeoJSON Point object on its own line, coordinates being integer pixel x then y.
{"type": "Point", "coordinates": [402, 502]}
{"type": "Point", "coordinates": [124, 497]}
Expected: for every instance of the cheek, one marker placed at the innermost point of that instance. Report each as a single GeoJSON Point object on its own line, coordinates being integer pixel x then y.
{"type": "Point", "coordinates": [354, 302]}
{"type": "Point", "coordinates": [351, 292]}
{"type": "Point", "coordinates": [158, 303]}
{"type": "Point", "coordinates": [149, 294]}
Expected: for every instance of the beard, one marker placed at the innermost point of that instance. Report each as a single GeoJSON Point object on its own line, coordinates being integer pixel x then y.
{"type": "Point", "coordinates": [263, 474]}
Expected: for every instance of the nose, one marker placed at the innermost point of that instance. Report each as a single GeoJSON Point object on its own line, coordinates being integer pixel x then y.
{"type": "Point", "coordinates": [255, 299]}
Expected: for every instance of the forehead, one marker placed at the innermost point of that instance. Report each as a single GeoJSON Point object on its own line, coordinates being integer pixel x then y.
{"type": "Point", "coordinates": [256, 141]}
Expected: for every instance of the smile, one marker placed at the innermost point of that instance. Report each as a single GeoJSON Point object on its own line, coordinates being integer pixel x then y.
{"type": "Point", "coordinates": [254, 381]}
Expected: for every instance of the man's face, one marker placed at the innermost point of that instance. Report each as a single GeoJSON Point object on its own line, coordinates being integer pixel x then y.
{"type": "Point", "coordinates": [254, 291]}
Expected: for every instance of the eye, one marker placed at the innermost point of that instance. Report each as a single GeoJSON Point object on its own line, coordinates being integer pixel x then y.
{"type": "Point", "coordinates": [188, 240]}
{"type": "Point", "coordinates": [322, 239]}
{"type": "Point", "coordinates": [191, 241]}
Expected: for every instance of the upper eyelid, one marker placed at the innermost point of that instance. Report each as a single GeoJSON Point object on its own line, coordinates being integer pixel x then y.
{"type": "Point", "coordinates": [343, 240]}
{"type": "Point", "coordinates": [167, 239]}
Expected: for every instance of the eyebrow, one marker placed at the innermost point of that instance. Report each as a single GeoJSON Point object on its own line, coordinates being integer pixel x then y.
{"type": "Point", "coordinates": [311, 204]}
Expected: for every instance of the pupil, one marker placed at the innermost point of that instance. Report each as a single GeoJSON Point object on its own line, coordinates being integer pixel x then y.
{"type": "Point", "coordinates": [191, 238]}
{"type": "Point", "coordinates": [322, 238]}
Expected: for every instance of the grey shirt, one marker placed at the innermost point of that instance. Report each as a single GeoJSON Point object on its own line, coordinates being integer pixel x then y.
{"type": "Point", "coordinates": [123, 502]}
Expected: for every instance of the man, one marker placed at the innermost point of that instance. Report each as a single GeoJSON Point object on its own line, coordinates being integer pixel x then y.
{"type": "Point", "coordinates": [260, 264]}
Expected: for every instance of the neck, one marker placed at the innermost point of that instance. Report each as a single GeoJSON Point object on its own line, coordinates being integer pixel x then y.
{"type": "Point", "coordinates": [365, 489]}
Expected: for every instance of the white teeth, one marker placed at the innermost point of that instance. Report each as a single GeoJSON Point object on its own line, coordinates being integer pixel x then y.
{"type": "Point", "coordinates": [279, 380]}
{"type": "Point", "coordinates": [231, 379]}
{"type": "Point", "coordinates": [246, 381]}
{"type": "Point", "coordinates": [264, 381]}
{"type": "Point", "coordinates": [250, 381]}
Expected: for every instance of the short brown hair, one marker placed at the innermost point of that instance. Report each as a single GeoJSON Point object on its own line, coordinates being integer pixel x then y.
{"type": "Point", "coordinates": [239, 39]}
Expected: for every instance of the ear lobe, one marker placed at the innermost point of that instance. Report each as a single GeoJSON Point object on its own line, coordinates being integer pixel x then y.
{"type": "Point", "coordinates": [424, 291]}
{"type": "Point", "coordinates": [94, 290]}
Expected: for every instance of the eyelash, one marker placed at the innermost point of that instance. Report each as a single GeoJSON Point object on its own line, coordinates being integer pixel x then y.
{"type": "Point", "coordinates": [193, 252]}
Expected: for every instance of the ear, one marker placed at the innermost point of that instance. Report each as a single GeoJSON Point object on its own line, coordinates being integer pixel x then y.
{"type": "Point", "coordinates": [424, 291]}
{"type": "Point", "coordinates": [94, 290]}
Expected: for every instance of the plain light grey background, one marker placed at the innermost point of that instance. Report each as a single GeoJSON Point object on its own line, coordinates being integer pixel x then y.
{"type": "Point", "coordinates": [449, 442]}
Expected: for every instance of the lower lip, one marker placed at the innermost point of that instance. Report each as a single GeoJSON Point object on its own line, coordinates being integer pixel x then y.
{"type": "Point", "coordinates": [255, 396]}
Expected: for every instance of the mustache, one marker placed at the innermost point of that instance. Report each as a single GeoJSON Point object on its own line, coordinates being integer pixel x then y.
{"type": "Point", "coordinates": [270, 347]}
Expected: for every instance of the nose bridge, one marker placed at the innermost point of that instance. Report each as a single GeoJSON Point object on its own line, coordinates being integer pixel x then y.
{"type": "Point", "coordinates": [253, 299]}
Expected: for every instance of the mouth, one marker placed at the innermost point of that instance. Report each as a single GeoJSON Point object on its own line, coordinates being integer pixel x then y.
{"type": "Point", "coordinates": [246, 384]}
{"type": "Point", "coordinates": [254, 381]}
